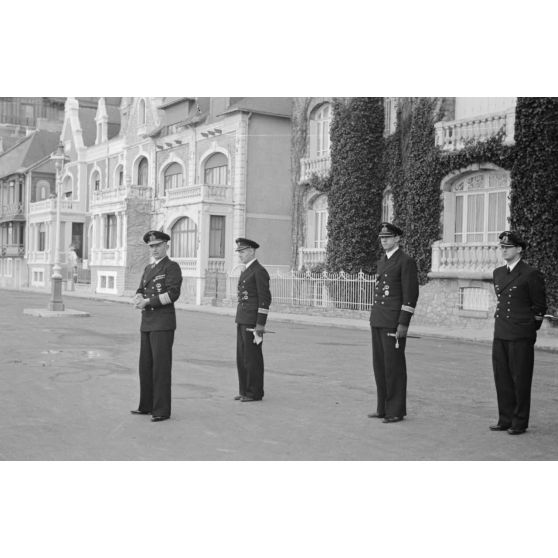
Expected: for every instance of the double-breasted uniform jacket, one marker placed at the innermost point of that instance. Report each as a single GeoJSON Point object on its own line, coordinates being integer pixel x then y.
{"type": "Point", "coordinates": [396, 291]}
{"type": "Point", "coordinates": [161, 284]}
{"type": "Point", "coordinates": [254, 296]}
{"type": "Point", "coordinates": [521, 302]}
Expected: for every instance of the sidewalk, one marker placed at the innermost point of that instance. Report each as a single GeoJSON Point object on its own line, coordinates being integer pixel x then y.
{"type": "Point", "coordinates": [482, 335]}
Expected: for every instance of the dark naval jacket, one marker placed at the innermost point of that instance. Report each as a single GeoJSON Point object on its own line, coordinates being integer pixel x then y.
{"type": "Point", "coordinates": [396, 291]}
{"type": "Point", "coordinates": [521, 302]}
{"type": "Point", "coordinates": [254, 296]}
{"type": "Point", "coordinates": [161, 284]}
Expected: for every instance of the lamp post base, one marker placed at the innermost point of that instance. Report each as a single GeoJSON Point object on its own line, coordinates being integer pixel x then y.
{"type": "Point", "coordinates": [56, 296]}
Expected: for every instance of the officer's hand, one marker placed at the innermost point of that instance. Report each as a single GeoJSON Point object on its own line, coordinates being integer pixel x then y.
{"type": "Point", "coordinates": [259, 330]}
{"type": "Point", "coordinates": [142, 303]}
{"type": "Point", "coordinates": [401, 331]}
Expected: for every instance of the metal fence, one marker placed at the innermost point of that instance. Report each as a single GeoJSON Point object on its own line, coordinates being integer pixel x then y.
{"type": "Point", "coordinates": [323, 290]}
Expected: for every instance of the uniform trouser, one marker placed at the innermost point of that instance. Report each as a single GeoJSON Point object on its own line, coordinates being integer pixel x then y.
{"type": "Point", "coordinates": [390, 372]}
{"type": "Point", "coordinates": [249, 363]}
{"type": "Point", "coordinates": [512, 362]}
{"type": "Point", "coordinates": [155, 363]}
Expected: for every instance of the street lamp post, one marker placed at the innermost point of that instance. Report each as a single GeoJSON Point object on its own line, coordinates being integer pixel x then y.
{"type": "Point", "coordinates": [56, 279]}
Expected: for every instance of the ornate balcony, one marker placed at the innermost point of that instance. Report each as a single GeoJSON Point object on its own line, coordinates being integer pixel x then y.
{"type": "Point", "coordinates": [49, 205]}
{"type": "Point", "coordinates": [198, 193]}
{"type": "Point", "coordinates": [216, 264]}
{"type": "Point", "coordinates": [12, 250]}
{"type": "Point", "coordinates": [188, 266]}
{"type": "Point", "coordinates": [12, 212]}
{"type": "Point", "coordinates": [101, 197]}
{"type": "Point", "coordinates": [464, 260]}
{"type": "Point", "coordinates": [309, 257]}
{"type": "Point", "coordinates": [314, 165]}
{"type": "Point", "coordinates": [455, 134]}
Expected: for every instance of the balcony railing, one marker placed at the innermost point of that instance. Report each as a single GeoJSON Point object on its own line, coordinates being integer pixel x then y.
{"type": "Point", "coordinates": [11, 210]}
{"type": "Point", "coordinates": [122, 193]}
{"type": "Point", "coordinates": [309, 257]}
{"type": "Point", "coordinates": [50, 205]}
{"type": "Point", "coordinates": [12, 250]}
{"type": "Point", "coordinates": [216, 264]}
{"type": "Point", "coordinates": [455, 134]}
{"type": "Point", "coordinates": [198, 193]}
{"type": "Point", "coordinates": [314, 165]}
{"type": "Point", "coordinates": [465, 258]}
{"type": "Point", "coordinates": [187, 265]}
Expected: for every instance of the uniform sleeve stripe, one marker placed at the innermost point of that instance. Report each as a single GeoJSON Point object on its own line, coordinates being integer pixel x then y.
{"type": "Point", "coordinates": [263, 311]}
{"type": "Point", "coordinates": [540, 318]}
{"type": "Point", "coordinates": [408, 309]}
{"type": "Point", "coordinates": [165, 298]}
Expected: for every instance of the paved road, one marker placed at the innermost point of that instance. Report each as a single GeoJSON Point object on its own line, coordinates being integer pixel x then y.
{"type": "Point", "coordinates": [68, 385]}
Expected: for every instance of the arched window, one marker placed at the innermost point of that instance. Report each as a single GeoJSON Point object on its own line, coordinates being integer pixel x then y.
{"type": "Point", "coordinates": [215, 170]}
{"type": "Point", "coordinates": [387, 205]}
{"type": "Point", "coordinates": [184, 239]}
{"type": "Point", "coordinates": [143, 169]}
{"type": "Point", "coordinates": [43, 190]}
{"type": "Point", "coordinates": [141, 112]}
{"type": "Point", "coordinates": [67, 189]}
{"type": "Point", "coordinates": [96, 181]}
{"type": "Point", "coordinates": [173, 177]}
{"type": "Point", "coordinates": [320, 121]}
{"type": "Point", "coordinates": [476, 208]}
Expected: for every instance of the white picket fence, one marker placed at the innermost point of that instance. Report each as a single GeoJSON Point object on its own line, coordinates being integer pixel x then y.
{"type": "Point", "coordinates": [324, 290]}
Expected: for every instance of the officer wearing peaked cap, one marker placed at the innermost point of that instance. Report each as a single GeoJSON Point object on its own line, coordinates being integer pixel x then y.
{"type": "Point", "coordinates": [159, 289]}
{"type": "Point", "coordinates": [254, 299]}
{"type": "Point", "coordinates": [520, 308]}
{"type": "Point", "coordinates": [395, 298]}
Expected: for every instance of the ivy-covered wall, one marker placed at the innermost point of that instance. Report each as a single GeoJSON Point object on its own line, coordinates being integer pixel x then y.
{"type": "Point", "coordinates": [355, 193]}
{"type": "Point", "coordinates": [534, 189]}
{"type": "Point", "coordinates": [364, 163]}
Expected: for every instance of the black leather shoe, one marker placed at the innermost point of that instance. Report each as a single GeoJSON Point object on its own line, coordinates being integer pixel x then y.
{"type": "Point", "coordinates": [497, 427]}
{"type": "Point", "coordinates": [375, 415]}
{"type": "Point", "coordinates": [238, 398]}
{"type": "Point", "coordinates": [392, 419]}
{"type": "Point", "coordinates": [138, 412]}
{"type": "Point", "coordinates": [159, 419]}
{"type": "Point", "coordinates": [245, 399]}
{"type": "Point", "coordinates": [513, 430]}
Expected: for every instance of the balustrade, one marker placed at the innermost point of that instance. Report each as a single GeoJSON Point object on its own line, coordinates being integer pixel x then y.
{"type": "Point", "coordinates": [314, 165]}
{"type": "Point", "coordinates": [452, 135]}
{"type": "Point", "coordinates": [472, 258]}
{"type": "Point", "coordinates": [312, 256]}
{"type": "Point", "coordinates": [199, 193]}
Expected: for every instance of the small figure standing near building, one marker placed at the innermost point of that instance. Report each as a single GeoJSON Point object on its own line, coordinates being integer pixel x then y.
{"type": "Point", "coordinates": [159, 289]}
{"type": "Point", "coordinates": [254, 298]}
{"type": "Point", "coordinates": [395, 298]}
{"type": "Point", "coordinates": [520, 308]}
{"type": "Point", "coordinates": [73, 260]}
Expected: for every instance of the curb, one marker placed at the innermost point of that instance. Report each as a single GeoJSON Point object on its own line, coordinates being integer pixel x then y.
{"type": "Point", "coordinates": [544, 342]}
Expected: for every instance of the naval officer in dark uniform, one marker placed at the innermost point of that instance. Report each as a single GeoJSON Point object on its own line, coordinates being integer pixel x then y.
{"type": "Point", "coordinates": [254, 298]}
{"type": "Point", "coordinates": [520, 308]}
{"type": "Point", "coordinates": [159, 289]}
{"type": "Point", "coordinates": [395, 298]}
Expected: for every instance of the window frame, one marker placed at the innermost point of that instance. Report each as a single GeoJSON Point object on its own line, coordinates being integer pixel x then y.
{"type": "Point", "coordinates": [184, 239]}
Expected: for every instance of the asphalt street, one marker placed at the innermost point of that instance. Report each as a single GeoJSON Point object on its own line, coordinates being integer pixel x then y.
{"type": "Point", "coordinates": [68, 385]}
